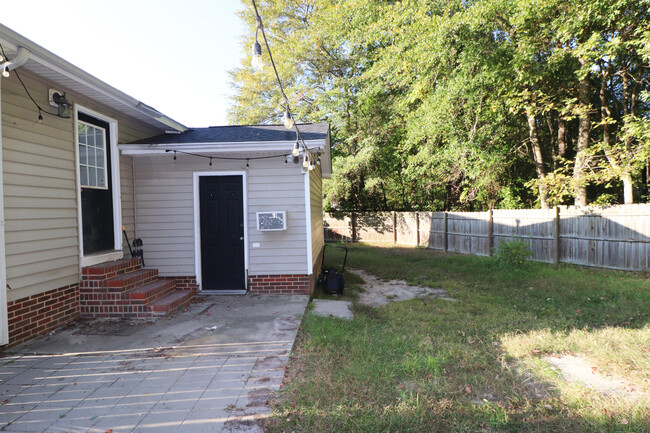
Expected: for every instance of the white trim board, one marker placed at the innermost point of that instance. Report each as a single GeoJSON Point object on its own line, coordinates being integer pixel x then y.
{"type": "Point", "coordinates": [197, 220]}
{"type": "Point", "coordinates": [308, 227]}
{"type": "Point", "coordinates": [117, 253]}
{"type": "Point", "coordinates": [4, 322]}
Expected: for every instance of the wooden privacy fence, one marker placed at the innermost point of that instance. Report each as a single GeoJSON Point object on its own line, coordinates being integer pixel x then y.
{"type": "Point", "coordinates": [616, 237]}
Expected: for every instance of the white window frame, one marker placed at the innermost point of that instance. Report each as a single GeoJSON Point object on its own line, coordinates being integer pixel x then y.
{"type": "Point", "coordinates": [106, 149]}
{"type": "Point", "coordinates": [117, 252]}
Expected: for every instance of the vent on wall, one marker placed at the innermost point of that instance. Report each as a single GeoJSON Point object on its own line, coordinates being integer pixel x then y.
{"type": "Point", "coordinates": [272, 221]}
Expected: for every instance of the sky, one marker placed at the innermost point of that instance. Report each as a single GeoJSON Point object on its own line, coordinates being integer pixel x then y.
{"type": "Point", "coordinates": [172, 55]}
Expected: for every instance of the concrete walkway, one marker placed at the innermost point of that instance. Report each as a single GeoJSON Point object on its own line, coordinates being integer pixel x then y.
{"type": "Point", "coordinates": [211, 368]}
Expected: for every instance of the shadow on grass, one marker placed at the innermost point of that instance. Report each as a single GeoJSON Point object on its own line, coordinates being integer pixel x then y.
{"type": "Point", "coordinates": [472, 365]}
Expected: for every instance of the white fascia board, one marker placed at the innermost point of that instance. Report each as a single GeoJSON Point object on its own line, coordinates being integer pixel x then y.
{"type": "Point", "coordinates": [40, 55]}
{"type": "Point", "coordinates": [249, 147]}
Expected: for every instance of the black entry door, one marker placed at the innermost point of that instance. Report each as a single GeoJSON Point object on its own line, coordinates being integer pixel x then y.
{"type": "Point", "coordinates": [96, 185]}
{"type": "Point", "coordinates": [222, 232]}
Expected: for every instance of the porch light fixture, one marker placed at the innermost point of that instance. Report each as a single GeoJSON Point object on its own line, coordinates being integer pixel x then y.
{"type": "Point", "coordinates": [288, 121]}
{"type": "Point", "coordinates": [62, 104]}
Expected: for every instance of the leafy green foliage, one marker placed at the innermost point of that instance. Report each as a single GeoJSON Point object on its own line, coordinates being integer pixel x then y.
{"type": "Point", "coordinates": [512, 254]}
{"type": "Point", "coordinates": [462, 105]}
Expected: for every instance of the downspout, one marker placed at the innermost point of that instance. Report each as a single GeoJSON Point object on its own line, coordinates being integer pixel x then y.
{"type": "Point", "coordinates": [20, 59]}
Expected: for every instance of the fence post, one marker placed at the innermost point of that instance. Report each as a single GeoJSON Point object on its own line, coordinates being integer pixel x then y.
{"type": "Point", "coordinates": [353, 221]}
{"type": "Point", "coordinates": [417, 229]}
{"type": "Point", "coordinates": [394, 227]}
{"type": "Point", "coordinates": [490, 232]}
{"type": "Point", "coordinates": [556, 236]}
{"type": "Point", "coordinates": [446, 230]}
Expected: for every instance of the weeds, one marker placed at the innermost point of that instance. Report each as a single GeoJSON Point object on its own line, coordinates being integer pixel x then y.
{"type": "Point", "coordinates": [474, 365]}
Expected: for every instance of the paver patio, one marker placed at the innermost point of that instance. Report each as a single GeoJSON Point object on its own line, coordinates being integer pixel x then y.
{"type": "Point", "coordinates": [208, 369]}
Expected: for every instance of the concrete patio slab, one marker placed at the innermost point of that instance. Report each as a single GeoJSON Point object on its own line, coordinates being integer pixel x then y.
{"type": "Point", "coordinates": [210, 368]}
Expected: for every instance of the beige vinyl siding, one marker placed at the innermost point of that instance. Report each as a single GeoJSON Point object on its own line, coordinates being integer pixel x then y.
{"type": "Point", "coordinates": [42, 229]}
{"type": "Point", "coordinates": [165, 213]}
{"type": "Point", "coordinates": [40, 195]}
{"type": "Point", "coordinates": [316, 209]}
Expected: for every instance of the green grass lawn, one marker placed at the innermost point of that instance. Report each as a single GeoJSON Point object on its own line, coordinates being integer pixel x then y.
{"type": "Point", "coordinates": [474, 365]}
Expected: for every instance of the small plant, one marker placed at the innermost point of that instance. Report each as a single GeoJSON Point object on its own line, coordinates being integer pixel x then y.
{"type": "Point", "coordinates": [514, 253]}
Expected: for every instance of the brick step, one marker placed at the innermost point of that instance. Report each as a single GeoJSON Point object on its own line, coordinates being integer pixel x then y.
{"type": "Point", "coordinates": [172, 302]}
{"type": "Point", "coordinates": [131, 280]}
{"type": "Point", "coordinates": [111, 269]}
{"type": "Point", "coordinates": [151, 291]}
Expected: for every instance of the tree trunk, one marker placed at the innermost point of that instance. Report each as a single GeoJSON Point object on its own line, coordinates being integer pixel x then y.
{"type": "Point", "coordinates": [538, 157]}
{"type": "Point", "coordinates": [584, 129]}
{"type": "Point", "coordinates": [562, 131]}
{"type": "Point", "coordinates": [628, 190]}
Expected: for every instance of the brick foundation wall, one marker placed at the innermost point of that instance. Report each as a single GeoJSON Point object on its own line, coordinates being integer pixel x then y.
{"type": "Point", "coordinates": [296, 284]}
{"type": "Point", "coordinates": [184, 283]}
{"type": "Point", "coordinates": [39, 314]}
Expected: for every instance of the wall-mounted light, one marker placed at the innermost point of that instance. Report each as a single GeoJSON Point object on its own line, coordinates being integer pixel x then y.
{"type": "Point", "coordinates": [63, 106]}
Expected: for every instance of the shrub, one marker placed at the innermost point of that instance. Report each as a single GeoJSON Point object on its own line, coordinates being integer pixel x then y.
{"type": "Point", "coordinates": [514, 253]}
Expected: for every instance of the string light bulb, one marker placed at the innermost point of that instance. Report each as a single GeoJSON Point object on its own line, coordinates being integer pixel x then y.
{"type": "Point", "coordinates": [305, 162]}
{"type": "Point", "coordinates": [318, 158]}
{"type": "Point", "coordinates": [256, 60]}
{"type": "Point", "coordinates": [174, 155]}
{"type": "Point", "coordinates": [210, 162]}
{"type": "Point", "coordinates": [5, 72]}
{"type": "Point", "coordinates": [296, 150]}
{"type": "Point", "coordinates": [40, 117]}
{"type": "Point", "coordinates": [288, 121]}
{"type": "Point", "coordinates": [247, 165]}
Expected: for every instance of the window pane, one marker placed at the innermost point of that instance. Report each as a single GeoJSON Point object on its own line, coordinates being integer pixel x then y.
{"type": "Point", "coordinates": [99, 138]}
{"type": "Point", "coordinates": [92, 176]}
{"type": "Point", "coordinates": [90, 137]}
{"type": "Point", "coordinates": [83, 158]}
{"type": "Point", "coordinates": [91, 156]}
{"type": "Point", "coordinates": [81, 130]}
{"type": "Point", "coordinates": [99, 160]}
{"type": "Point", "coordinates": [83, 171]}
{"type": "Point", "coordinates": [100, 177]}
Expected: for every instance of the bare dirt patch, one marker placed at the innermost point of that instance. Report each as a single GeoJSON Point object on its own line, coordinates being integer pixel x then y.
{"type": "Point", "coordinates": [378, 292]}
{"type": "Point", "coordinates": [578, 369]}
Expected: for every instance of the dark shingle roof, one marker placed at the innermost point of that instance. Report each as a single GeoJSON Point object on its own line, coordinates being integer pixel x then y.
{"type": "Point", "coordinates": [241, 134]}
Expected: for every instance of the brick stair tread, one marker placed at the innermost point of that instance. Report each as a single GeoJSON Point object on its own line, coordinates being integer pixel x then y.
{"type": "Point", "coordinates": [130, 277]}
{"type": "Point", "coordinates": [171, 301]}
{"type": "Point", "coordinates": [148, 290]}
{"type": "Point", "coordinates": [116, 265]}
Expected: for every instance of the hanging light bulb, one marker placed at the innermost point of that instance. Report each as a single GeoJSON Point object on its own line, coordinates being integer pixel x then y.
{"type": "Point", "coordinates": [256, 60]}
{"type": "Point", "coordinates": [210, 161]}
{"type": "Point", "coordinates": [174, 155]}
{"type": "Point", "coordinates": [2, 59]}
{"type": "Point", "coordinates": [305, 162]}
{"type": "Point", "coordinates": [40, 117]}
{"type": "Point", "coordinates": [288, 121]}
{"type": "Point", "coordinates": [296, 150]}
{"type": "Point", "coordinates": [5, 73]}
{"type": "Point", "coordinates": [247, 166]}
{"type": "Point", "coordinates": [318, 158]}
